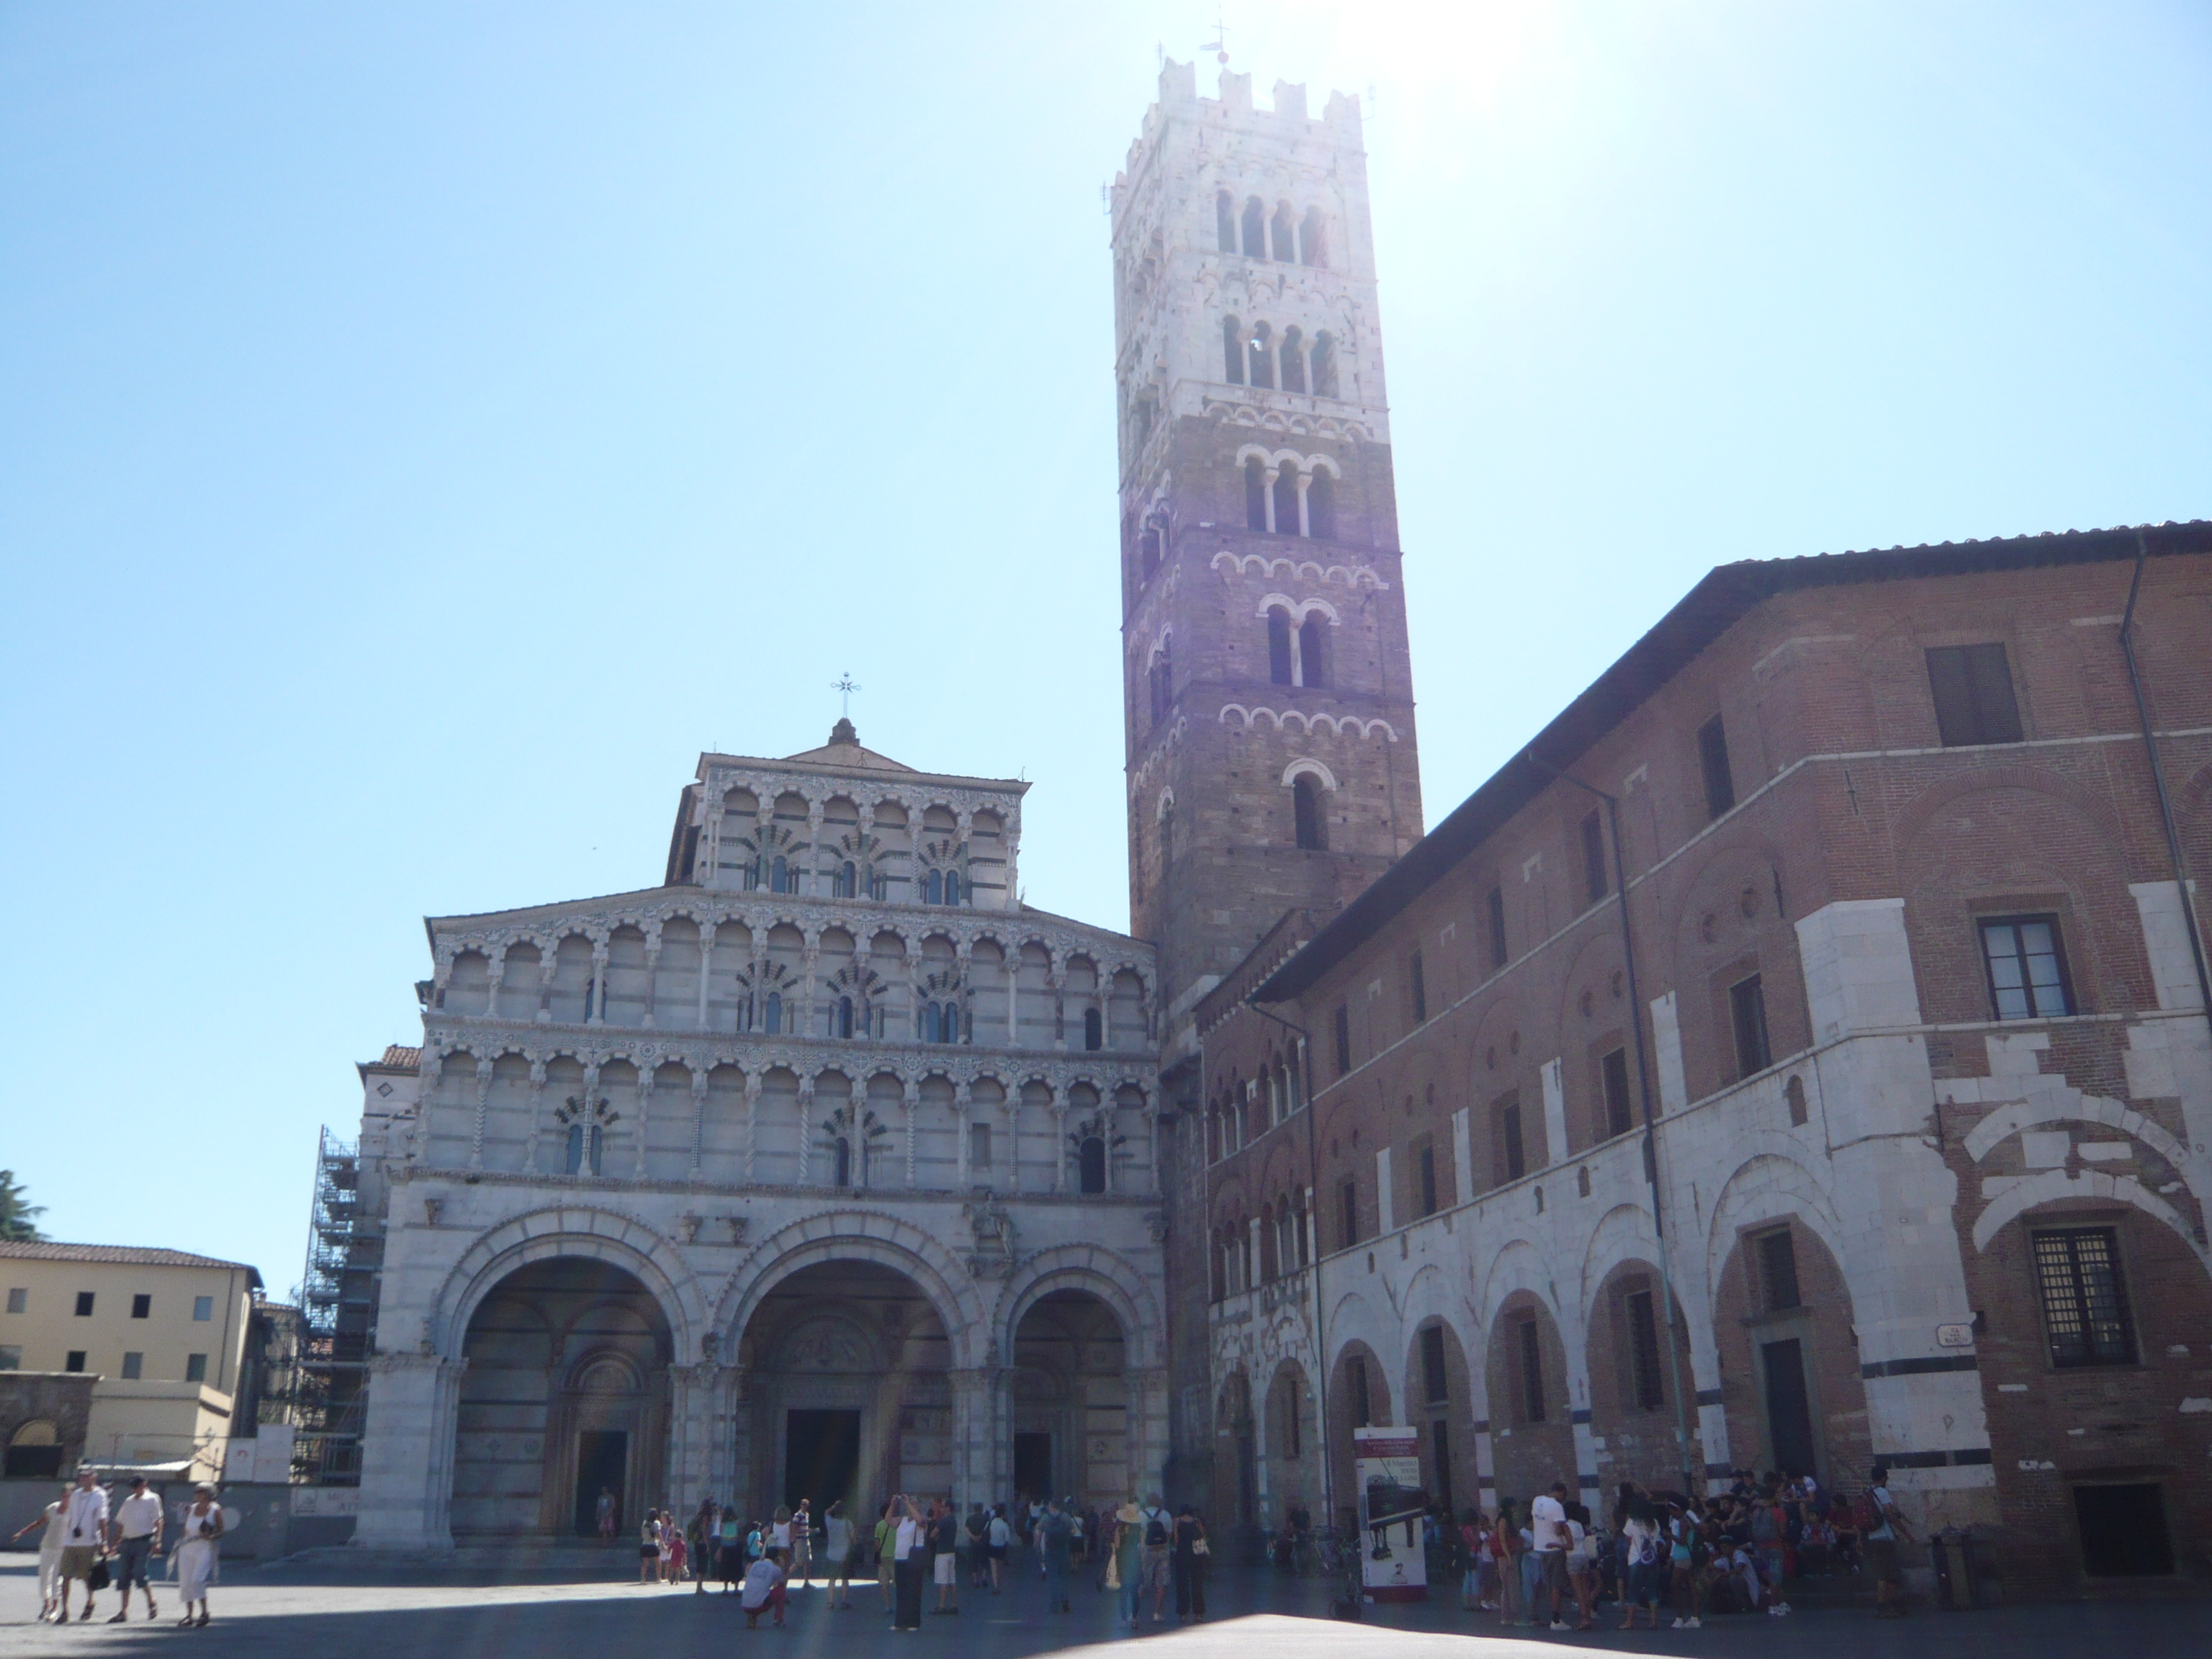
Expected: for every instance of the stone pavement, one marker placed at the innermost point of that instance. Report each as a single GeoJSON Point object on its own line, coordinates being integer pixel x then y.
{"type": "Point", "coordinates": [336, 1610]}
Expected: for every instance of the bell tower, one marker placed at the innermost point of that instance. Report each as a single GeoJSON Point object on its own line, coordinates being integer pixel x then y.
{"type": "Point", "coordinates": [1271, 755]}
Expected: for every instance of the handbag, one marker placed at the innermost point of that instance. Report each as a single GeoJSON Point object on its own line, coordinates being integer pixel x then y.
{"type": "Point", "coordinates": [1199, 1546]}
{"type": "Point", "coordinates": [97, 1580]}
{"type": "Point", "coordinates": [1114, 1571]}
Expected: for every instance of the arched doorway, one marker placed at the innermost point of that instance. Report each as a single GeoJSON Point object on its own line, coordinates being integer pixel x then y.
{"type": "Point", "coordinates": [565, 1396]}
{"type": "Point", "coordinates": [847, 1395]}
{"type": "Point", "coordinates": [1071, 1401]}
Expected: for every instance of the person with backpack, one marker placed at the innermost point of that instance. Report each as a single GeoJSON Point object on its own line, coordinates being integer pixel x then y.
{"type": "Point", "coordinates": [1884, 1530]}
{"type": "Point", "coordinates": [1641, 1544]}
{"type": "Point", "coordinates": [1158, 1566]}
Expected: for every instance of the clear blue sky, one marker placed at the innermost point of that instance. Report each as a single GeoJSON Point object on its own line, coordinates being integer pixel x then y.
{"type": "Point", "coordinates": [423, 428]}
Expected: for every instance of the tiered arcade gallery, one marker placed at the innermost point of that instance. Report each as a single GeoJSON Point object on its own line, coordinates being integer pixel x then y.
{"type": "Point", "coordinates": [790, 1177]}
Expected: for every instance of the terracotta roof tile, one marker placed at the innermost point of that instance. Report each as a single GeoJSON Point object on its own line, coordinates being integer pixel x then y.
{"type": "Point", "coordinates": [124, 1254]}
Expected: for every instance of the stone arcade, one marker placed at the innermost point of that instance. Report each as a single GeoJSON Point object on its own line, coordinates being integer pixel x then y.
{"type": "Point", "coordinates": [825, 1168]}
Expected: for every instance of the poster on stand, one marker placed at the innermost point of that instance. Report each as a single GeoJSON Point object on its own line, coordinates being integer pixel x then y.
{"type": "Point", "coordinates": [1386, 1464]}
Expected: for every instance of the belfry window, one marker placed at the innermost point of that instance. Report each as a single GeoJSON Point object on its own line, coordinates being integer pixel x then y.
{"type": "Point", "coordinates": [1324, 366]}
{"type": "Point", "coordinates": [1321, 506]}
{"type": "Point", "coordinates": [1261, 351]}
{"type": "Point", "coordinates": [1313, 666]}
{"type": "Point", "coordinates": [780, 876]}
{"type": "Point", "coordinates": [1287, 502]}
{"type": "Point", "coordinates": [1256, 494]}
{"type": "Point", "coordinates": [1232, 350]}
{"type": "Point", "coordinates": [1313, 241]}
{"type": "Point", "coordinates": [1256, 230]}
{"type": "Point", "coordinates": [841, 883]}
{"type": "Point", "coordinates": [1278, 647]}
{"type": "Point", "coordinates": [1292, 358]}
{"type": "Point", "coordinates": [1311, 826]}
{"type": "Point", "coordinates": [1286, 235]}
{"type": "Point", "coordinates": [1148, 553]}
{"type": "Point", "coordinates": [1224, 221]}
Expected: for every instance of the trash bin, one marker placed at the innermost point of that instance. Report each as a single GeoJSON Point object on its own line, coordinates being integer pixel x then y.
{"type": "Point", "coordinates": [1951, 1553]}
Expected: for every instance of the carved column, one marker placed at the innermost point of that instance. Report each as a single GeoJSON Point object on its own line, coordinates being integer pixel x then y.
{"type": "Point", "coordinates": [698, 1119]}
{"type": "Point", "coordinates": [1268, 483]}
{"type": "Point", "coordinates": [536, 1132]}
{"type": "Point", "coordinates": [1059, 1137]}
{"type": "Point", "coordinates": [1058, 980]}
{"type": "Point", "coordinates": [407, 1452]}
{"type": "Point", "coordinates": [652, 973]}
{"type": "Point", "coordinates": [809, 976]}
{"type": "Point", "coordinates": [706, 969]}
{"type": "Point", "coordinates": [752, 1120]}
{"type": "Point", "coordinates": [960, 1106]}
{"type": "Point", "coordinates": [913, 1117]}
{"type": "Point", "coordinates": [1305, 528]}
{"type": "Point", "coordinates": [814, 848]}
{"type": "Point", "coordinates": [484, 1096]}
{"type": "Point", "coordinates": [494, 975]}
{"type": "Point", "coordinates": [547, 963]}
{"type": "Point", "coordinates": [1148, 1429]}
{"type": "Point", "coordinates": [1014, 999]}
{"type": "Point", "coordinates": [701, 1433]}
{"type": "Point", "coordinates": [806, 1127]}
{"type": "Point", "coordinates": [595, 996]}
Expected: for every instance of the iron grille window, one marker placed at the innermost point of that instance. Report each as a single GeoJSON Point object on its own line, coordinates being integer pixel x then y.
{"type": "Point", "coordinates": [1713, 761]}
{"type": "Point", "coordinates": [2085, 1298]}
{"type": "Point", "coordinates": [1643, 1350]}
{"type": "Point", "coordinates": [1433, 1364]}
{"type": "Point", "coordinates": [1620, 1113]}
{"type": "Point", "coordinates": [1747, 1013]}
{"type": "Point", "coordinates": [1495, 904]}
{"type": "Point", "coordinates": [1973, 687]}
{"type": "Point", "coordinates": [1593, 882]}
{"type": "Point", "coordinates": [1343, 1038]}
{"type": "Point", "coordinates": [2026, 967]}
{"type": "Point", "coordinates": [1532, 1372]}
{"type": "Point", "coordinates": [1778, 1271]}
{"type": "Point", "coordinates": [1417, 986]}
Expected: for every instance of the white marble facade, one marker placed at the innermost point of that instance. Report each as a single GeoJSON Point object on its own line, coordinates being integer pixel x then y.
{"type": "Point", "coordinates": [834, 1055]}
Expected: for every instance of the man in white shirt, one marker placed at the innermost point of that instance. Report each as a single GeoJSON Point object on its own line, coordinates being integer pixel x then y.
{"type": "Point", "coordinates": [84, 1535]}
{"type": "Point", "coordinates": [135, 1535]}
{"type": "Point", "coordinates": [1547, 1520]}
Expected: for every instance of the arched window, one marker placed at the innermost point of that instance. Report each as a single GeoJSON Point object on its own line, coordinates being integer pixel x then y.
{"type": "Point", "coordinates": [844, 1176]}
{"type": "Point", "coordinates": [750, 874]}
{"type": "Point", "coordinates": [746, 1012]}
{"type": "Point", "coordinates": [1148, 545]}
{"type": "Point", "coordinates": [847, 879]}
{"type": "Point", "coordinates": [879, 886]}
{"type": "Point", "coordinates": [1313, 241]}
{"type": "Point", "coordinates": [1161, 677]}
{"type": "Point", "coordinates": [844, 1026]}
{"type": "Point", "coordinates": [1306, 810]}
{"type": "Point", "coordinates": [1286, 502]}
{"type": "Point", "coordinates": [1256, 229]}
{"type": "Point", "coordinates": [772, 1016]}
{"type": "Point", "coordinates": [1092, 1160]}
{"type": "Point", "coordinates": [1256, 494]}
{"type": "Point", "coordinates": [1321, 506]}
{"type": "Point", "coordinates": [1286, 235]}
{"type": "Point", "coordinates": [932, 888]}
{"type": "Point", "coordinates": [1292, 358]}
{"type": "Point", "coordinates": [1313, 663]}
{"type": "Point", "coordinates": [1232, 350]}
{"type": "Point", "coordinates": [779, 874]}
{"type": "Point", "coordinates": [952, 887]}
{"type": "Point", "coordinates": [1261, 353]}
{"type": "Point", "coordinates": [1224, 221]}
{"type": "Point", "coordinates": [1324, 367]}
{"type": "Point", "coordinates": [1278, 647]}
{"type": "Point", "coordinates": [1094, 1030]}
{"type": "Point", "coordinates": [1167, 838]}
{"type": "Point", "coordinates": [585, 1146]}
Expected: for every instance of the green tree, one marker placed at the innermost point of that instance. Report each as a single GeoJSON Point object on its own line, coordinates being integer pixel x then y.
{"type": "Point", "coordinates": [16, 1215]}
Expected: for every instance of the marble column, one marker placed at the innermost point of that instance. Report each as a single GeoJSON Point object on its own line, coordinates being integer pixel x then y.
{"type": "Point", "coordinates": [407, 1452]}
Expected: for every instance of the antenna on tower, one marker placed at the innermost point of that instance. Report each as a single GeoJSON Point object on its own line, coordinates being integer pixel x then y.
{"type": "Point", "coordinates": [1220, 45]}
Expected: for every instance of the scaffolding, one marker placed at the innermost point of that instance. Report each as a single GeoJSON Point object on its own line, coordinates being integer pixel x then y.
{"type": "Point", "coordinates": [345, 1255]}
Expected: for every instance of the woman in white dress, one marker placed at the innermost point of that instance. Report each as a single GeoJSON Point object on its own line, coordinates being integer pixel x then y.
{"type": "Point", "coordinates": [49, 1557]}
{"type": "Point", "coordinates": [196, 1555]}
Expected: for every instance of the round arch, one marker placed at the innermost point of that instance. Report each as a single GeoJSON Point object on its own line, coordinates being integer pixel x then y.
{"type": "Point", "coordinates": [591, 1235]}
{"type": "Point", "coordinates": [854, 1234]}
{"type": "Point", "coordinates": [1097, 1271]}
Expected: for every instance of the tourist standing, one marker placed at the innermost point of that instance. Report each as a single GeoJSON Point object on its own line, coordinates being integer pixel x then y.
{"type": "Point", "coordinates": [1056, 1535]}
{"type": "Point", "coordinates": [1125, 1567]}
{"type": "Point", "coordinates": [138, 1537]}
{"type": "Point", "coordinates": [839, 1539]}
{"type": "Point", "coordinates": [1582, 1564]}
{"type": "Point", "coordinates": [1159, 1546]}
{"type": "Point", "coordinates": [802, 1542]}
{"type": "Point", "coordinates": [944, 1556]}
{"type": "Point", "coordinates": [1506, 1546]}
{"type": "Point", "coordinates": [50, 1556]}
{"type": "Point", "coordinates": [197, 1553]}
{"type": "Point", "coordinates": [887, 1553]}
{"type": "Point", "coordinates": [1879, 1520]}
{"type": "Point", "coordinates": [1191, 1558]}
{"type": "Point", "coordinates": [606, 1512]}
{"type": "Point", "coordinates": [1640, 1544]}
{"type": "Point", "coordinates": [910, 1547]}
{"type": "Point", "coordinates": [1001, 1536]}
{"type": "Point", "coordinates": [729, 1549]}
{"type": "Point", "coordinates": [84, 1531]}
{"type": "Point", "coordinates": [648, 1547]}
{"type": "Point", "coordinates": [1548, 1521]}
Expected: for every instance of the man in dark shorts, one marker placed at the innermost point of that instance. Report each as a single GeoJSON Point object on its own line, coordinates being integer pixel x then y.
{"type": "Point", "coordinates": [1886, 1531]}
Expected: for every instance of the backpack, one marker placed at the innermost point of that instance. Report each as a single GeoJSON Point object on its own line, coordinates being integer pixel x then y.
{"type": "Point", "coordinates": [1156, 1530]}
{"type": "Point", "coordinates": [1866, 1514]}
{"type": "Point", "coordinates": [1646, 1550]}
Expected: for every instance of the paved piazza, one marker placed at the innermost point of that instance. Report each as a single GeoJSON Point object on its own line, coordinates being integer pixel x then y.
{"type": "Point", "coordinates": [290, 1610]}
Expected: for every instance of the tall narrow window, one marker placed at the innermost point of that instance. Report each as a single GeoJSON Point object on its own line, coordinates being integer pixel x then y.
{"type": "Point", "coordinates": [1291, 360]}
{"type": "Point", "coordinates": [1278, 647]}
{"type": "Point", "coordinates": [1311, 828]}
{"type": "Point", "coordinates": [1434, 1378]}
{"type": "Point", "coordinates": [1260, 356]}
{"type": "Point", "coordinates": [1165, 829]}
{"type": "Point", "coordinates": [1148, 553]}
{"type": "Point", "coordinates": [1973, 687]}
{"type": "Point", "coordinates": [1287, 502]}
{"type": "Point", "coordinates": [1224, 221]}
{"type": "Point", "coordinates": [1321, 510]}
{"type": "Point", "coordinates": [1256, 229]}
{"type": "Point", "coordinates": [1778, 1271]}
{"type": "Point", "coordinates": [953, 887]}
{"type": "Point", "coordinates": [843, 885]}
{"type": "Point", "coordinates": [1513, 1158]}
{"type": "Point", "coordinates": [1417, 990]}
{"type": "Point", "coordinates": [2085, 1298]}
{"type": "Point", "coordinates": [979, 1147]}
{"type": "Point", "coordinates": [1324, 366]}
{"type": "Point", "coordinates": [1093, 1162]}
{"type": "Point", "coordinates": [2027, 966]}
{"type": "Point", "coordinates": [1612, 1073]}
{"type": "Point", "coordinates": [1232, 350]}
{"type": "Point", "coordinates": [1594, 886]}
{"type": "Point", "coordinates": [1493, 904]}
{"type": "Point", "coordinates": [772, 1016]}
{"type": "Point", "coordinates": [1428, 1179]}
{"type": "Point", "coordinates": [1347, 1213]}
{"type": "Point", "coordinates": [1343, 1023]}
{"type": "Point", "coordinates": [780, 874]}
{"type": "Point", "coordinates": [1312, 646]}
{"type": "Point", "coordinates": [1094, 1030]}
{"type": "Point", "coordinates": [1748, 1015]}
{"type": "Point", "coordinates": [932, 888]}
{"type": "Point", "coordinates": [142, 1307]}
{"type": "Point", "coordinates": [1256, 494]}
{"type": "Point", "coordinates": [1643, 1350]}
{"type": "Point", "coordinates": [1286, 235]}
{"type": "Point", "coordinates": [1363, 1405]}
{"type": "Point", "coordinates": [1313, 242]}
{"type": "Point", "coordinates": [843, 1175]}
{"type": "Point", "coordinates": [1531, 1344]}
{"type": "Point", "coordinates": [1713, 760]}
{"type": "Point", "coordinates": [844, 1020]}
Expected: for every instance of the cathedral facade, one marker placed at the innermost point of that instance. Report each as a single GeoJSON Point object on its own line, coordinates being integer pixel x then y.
{"type": "Point", "coordinates": [823, 1167]}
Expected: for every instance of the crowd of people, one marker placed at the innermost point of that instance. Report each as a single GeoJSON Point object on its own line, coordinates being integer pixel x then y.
{"type": "Point", "coordinates": [1139, 1552]}
{"type": "Point", "coordinates": [1553, 1562]}
{"type": "Point", "coordinates": [92, 1539]}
